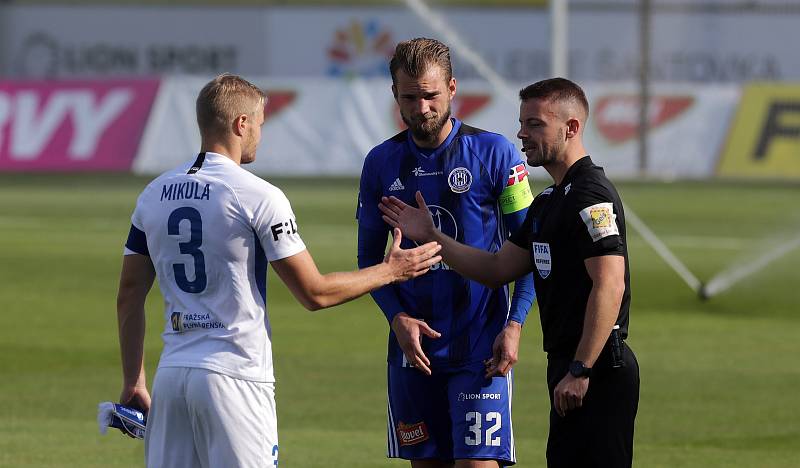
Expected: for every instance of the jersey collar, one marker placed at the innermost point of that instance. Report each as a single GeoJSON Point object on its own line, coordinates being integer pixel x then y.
{"type": "Point", "coordinates": [585, 161]}
{"type": "Point", "coordinates": [219, 158]}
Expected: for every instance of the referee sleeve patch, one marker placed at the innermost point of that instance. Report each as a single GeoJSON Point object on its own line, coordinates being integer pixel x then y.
{"type": "Point", "coordinates": [600, 220]}
{"type": "Point", "coordinates": [137, 242]}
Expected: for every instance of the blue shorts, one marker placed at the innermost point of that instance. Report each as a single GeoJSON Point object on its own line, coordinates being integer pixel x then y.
{"type": "Point", "coordinates": [451, 415]}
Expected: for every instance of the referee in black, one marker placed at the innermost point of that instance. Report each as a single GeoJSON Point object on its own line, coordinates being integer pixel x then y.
{"type": "Point", "coordinates": [574, 240]}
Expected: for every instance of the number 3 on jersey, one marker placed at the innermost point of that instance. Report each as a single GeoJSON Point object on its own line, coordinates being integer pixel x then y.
{"type": "Point", "coordinates": [191, 247]}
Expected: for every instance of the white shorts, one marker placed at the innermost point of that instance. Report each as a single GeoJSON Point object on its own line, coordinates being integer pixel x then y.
{"type": "Point", "coordinates": [200, 418]}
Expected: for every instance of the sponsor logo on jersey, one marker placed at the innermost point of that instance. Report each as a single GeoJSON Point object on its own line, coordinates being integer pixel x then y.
{"type": "Point", "coordinates": [478, 396]}
{"type": "Point", "coordinates": [132, 413]}
{"type": "Point", "coordinates": [444, 221]}
{"type": "Point", "coordinates": [396, 186]}
{"type": "Point", "coordinates": [567, 188]}
{"type": "Point", "coordinates": [181, 321]}
{"type": "Point", "coordinates": [420, 172]}
{"type": "Point", "coordinates": [600, 220]}
{"type": "Point", "coordinates": [517, 174]}
{"type": "Point", "coordinates": [459, 180]}
{"type": "Point", "coordinates": [283, 229]}
{"type": "Point", "coordinates": [542, 259]}
{"type": "Point", "coordinates": [175, 320]}
{"type": "Point", "coordinates": [547, 191]}
{"type": "Point", "coordinates": [411, 434]}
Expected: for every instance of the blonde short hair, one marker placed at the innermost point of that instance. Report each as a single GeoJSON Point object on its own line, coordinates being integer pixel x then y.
{"type": "Point", "coordinates": [415, 56]}
{"type": "Point", "coordinates": [225, 98]}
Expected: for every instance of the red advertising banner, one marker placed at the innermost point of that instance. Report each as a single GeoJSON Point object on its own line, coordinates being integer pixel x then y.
{"type": "Point", "coordinates": [73, 125]}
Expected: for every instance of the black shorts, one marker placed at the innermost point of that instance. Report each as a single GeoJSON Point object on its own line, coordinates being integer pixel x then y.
{"type": "Point", "coordinates": [600, 433]}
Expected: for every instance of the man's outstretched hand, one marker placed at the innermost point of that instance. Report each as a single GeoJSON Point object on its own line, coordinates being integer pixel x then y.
{"type": "Point", "coordinates": [410, 263]}
{"type": "Point", "coordinates": [416, 223]}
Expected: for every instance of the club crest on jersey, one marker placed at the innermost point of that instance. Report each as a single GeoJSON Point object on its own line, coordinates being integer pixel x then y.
{"type": "Point", "coordinates": [459, 180]}
{"type": "Point", "coordinates": [542, 259]}
{"type": "Point", "coordinates": [411, 434]}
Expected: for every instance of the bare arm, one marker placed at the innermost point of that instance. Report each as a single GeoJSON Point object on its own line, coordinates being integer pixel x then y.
{"type": "Point", "coordinates": [487, 268]}
{"type": "Point", "coordinates": [608, 285]}
{"type": "Point", "coordinates": [317, 291]}
{"type": "Point", "coordinates": [135, 281]}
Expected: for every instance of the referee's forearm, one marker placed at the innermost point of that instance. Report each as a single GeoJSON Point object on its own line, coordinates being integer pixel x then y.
{"type": "Point", "coordinates": [476, 264]}
{"type": "Point", "coordinates": [602, 310]}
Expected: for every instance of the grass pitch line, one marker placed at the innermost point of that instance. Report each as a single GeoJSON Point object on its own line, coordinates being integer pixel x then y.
{"type": "Point", "coordinates": [731, 276]}
{"type": "Point", "coordinates": [662, 250]}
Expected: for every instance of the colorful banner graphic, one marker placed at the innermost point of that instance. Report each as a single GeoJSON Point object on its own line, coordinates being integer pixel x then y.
{"type": "Point", "coordinates": [73, 125]}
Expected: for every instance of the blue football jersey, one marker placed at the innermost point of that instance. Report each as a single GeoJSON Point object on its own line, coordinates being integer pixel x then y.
{"type": "Point", "coordinates": [474, 183]}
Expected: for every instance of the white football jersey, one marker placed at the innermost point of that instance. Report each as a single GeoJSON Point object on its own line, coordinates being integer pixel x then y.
{"type": "Point", "coordinates": [210, 233]}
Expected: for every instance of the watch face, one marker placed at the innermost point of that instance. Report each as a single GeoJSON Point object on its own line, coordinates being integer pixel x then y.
{"type": "Point", "coordinates": [577, 369]}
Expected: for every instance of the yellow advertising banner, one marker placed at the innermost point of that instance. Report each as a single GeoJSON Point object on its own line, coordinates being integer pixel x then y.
{"type": "Point", "coordinates": [764, 140]}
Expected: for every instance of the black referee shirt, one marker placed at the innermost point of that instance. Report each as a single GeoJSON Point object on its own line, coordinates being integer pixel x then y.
{"type": "Point", "coordinates": [566, 224]}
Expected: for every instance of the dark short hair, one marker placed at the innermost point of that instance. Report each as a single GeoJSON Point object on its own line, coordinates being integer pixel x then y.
{"type": "Point", "coordinates": [415, 56]}
{"type": "Point", "coordinates": [223, 99]}
{"type": "Point", "coordinates": [556, 89]}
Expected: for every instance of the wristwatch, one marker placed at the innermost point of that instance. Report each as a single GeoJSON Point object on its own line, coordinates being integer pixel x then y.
{"type": "Point", "coordinates": [579, 370]}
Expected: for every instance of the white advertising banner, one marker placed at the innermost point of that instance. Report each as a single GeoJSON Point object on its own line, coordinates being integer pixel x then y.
{"type": "Point", "coordinates": [687, 45]}
{"type": "Point", "coordinates": [722, 45]}
{"type": "Point", "coordinates": [126, 41]}
{"type": "Point", "coordinates": [326, 126]}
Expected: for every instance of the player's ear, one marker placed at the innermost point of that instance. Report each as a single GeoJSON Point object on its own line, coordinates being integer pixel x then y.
{"type": "Point", "coordinates": [452, 87]}
{"type": "Point", "coordinates": [573, 127]}
{"type": "Point", "coordinates": [239, 125]}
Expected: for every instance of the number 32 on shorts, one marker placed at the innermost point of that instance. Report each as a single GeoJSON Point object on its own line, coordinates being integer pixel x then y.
{"type": "Point", "coordinates": [475, 434]}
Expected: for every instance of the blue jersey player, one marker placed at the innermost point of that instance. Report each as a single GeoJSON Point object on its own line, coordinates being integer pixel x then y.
{"type": "Point", "coordinates": [453, 341]}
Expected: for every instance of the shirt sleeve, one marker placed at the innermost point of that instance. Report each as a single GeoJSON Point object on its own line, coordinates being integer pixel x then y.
{"type": "Point", "coordinates": [136, 244]}
{"type": "Point", "coordinates": [276, 226]}
{"type": "Point", "coordinates": [367, 212]}
{"type": "Point", "coordinates": [371, 247]}
{"type": "Point", "coordinates": [516, 195]}
{"type": "Point", "coordinates": [596, 223]}
{"type": "Point", "coordinates": [514, 200]}
{"type": "Point", "coordinates": [373, 233]}
{"type": "Point", "coordinates": [524, 293]}
{"type": "Point", "coordinates": [521, 236]}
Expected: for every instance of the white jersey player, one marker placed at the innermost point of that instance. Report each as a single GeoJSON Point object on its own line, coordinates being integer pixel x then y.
{"type": "Point", "coordinates": [207, 231]}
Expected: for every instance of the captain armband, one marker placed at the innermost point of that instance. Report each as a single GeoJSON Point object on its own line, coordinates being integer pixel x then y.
{"type": "Point", "coordinates": [517, 193]}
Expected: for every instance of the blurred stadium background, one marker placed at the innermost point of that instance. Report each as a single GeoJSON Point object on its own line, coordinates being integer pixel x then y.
{"type": "Point", "coordinates": [97, 96]}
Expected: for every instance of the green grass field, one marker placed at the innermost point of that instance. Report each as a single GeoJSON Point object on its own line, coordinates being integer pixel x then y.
{"type": "Point", "coordinates": [719, 379]}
